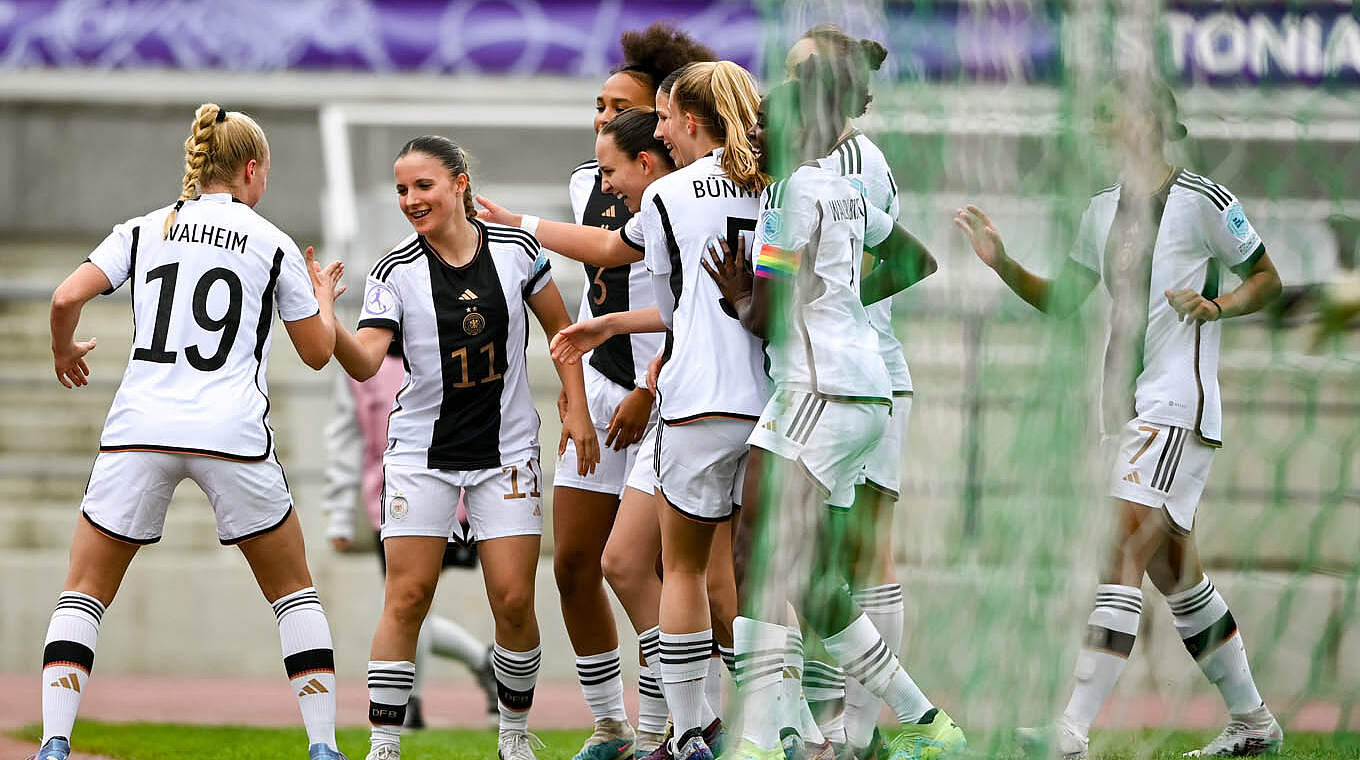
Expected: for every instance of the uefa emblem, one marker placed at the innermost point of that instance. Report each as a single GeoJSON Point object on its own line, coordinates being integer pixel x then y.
{"type": "Point", "coordinates": [399, 507]}
{"type": "Point", "coordinates": [474, 323]}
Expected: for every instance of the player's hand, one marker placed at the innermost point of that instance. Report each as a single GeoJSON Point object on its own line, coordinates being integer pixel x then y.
{"type": "Point", "coordinates": [325, 281]}
{"type": "Point", "coordinates": [69, 362]}
{"type": "Point", "coordinates": [730, 271]}
{"type": "Point", "coordinates": [581, 431]}
{"type": "Point", "coordinates": [490, 212]}
{"type": "Point", "coordinates": [982, 234]}
{"type": "Point", "coordinates": [630, 420]}
{"type": "Point", "coordinates": [654, 371]}
{"type": "Point", "coordinates": [342, 545]}
{"type": "Point", "coordinates": [573, 341]}
{"type": "Point", "coordinates": [1189, 303]}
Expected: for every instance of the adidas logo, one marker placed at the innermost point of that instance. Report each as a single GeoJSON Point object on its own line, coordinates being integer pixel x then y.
{"type": "Point", "coordinates": [609, 213]}
{"type": "Point", "coordinates": [1132, 477]}
{"type": "Point", "coordinates": [71, 682]}
{"type": "Point", "coordinates": [313, 687]}
{"type": "Point", "coordinates": [772, 426]}
{"type": "Point", "coordinates": [468, 295]}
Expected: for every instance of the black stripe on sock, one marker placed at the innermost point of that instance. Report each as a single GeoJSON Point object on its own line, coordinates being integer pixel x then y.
{"type": "Point", "coordinates": [1194, 603]}
{"type": "Point", "coordinates": [1208, 639]}
{"type": "Point", "coordinates": [309, 661]}
{"type": "Point", "coordinates": [1119, 606]}
{"type": "Point", "coordinates": [81, 603]}
{"type": "Point", "coordinates": [71, 653]}
{"type": "Point", "coordinates": [1105, 639]}
{"type": "Point", "coordinates": [380, 714]}
{"type": "Point", "coordinates": [519, 701]}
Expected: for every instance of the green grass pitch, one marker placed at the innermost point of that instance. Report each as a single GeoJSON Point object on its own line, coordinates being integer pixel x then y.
{"type": "Point", "coordinates": [146, 741]}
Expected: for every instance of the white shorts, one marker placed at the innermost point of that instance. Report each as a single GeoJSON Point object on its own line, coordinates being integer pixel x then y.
{"type": "Point", "coordinates": [830, 440]}
{"type": "Point", "coordinates": [500, 501]}
{"type": "Point", "coordinates": [883, 468]}
{"type": "Point", "coordinates": [642, 476]}
{"type": "Point", "coordinates": [700, 466]}
{"type": "Point", "coordinates": [1161, 466]}
{"type": "Point", "coordinates": [611, 474]}
{"type": "Point", "coordinates": [129, 494]}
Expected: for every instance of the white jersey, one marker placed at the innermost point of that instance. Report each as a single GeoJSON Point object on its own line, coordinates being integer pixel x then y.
{"type": "Point", "coordinates": [857, 159]}
{"type": "Point", "coordinates": [465, 404]}
{"type": "Point", "coordinates": [714, 366]}
{"type": "Point", "coordinates": [813, 229]}
{"type": "Point", "coordinates": [1140, 248]}
{"type": "Point", "coordinates": [623, 358]}
{"type": "Point", "coordinates": [203, 302]}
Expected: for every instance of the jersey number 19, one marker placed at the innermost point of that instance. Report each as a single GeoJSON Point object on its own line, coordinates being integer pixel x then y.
{"type": "Point", "coordinates": [228, 324]}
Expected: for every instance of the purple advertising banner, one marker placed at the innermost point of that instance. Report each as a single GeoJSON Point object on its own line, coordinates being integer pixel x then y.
{"type": "Point", "coordinates": [1279, 42]}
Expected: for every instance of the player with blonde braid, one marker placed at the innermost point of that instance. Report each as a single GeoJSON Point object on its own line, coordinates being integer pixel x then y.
{"type": "Point", "coordinates": [207, 274]}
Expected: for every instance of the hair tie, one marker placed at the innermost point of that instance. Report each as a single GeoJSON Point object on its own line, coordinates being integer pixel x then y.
{"type": "Point", "coordinates": [221, 114]}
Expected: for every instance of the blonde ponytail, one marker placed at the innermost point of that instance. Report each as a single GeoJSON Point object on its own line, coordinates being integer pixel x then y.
{"type": "Point", "coordinates": [723, 97]}
{"type": "Point", "coordinates": [220, 143]}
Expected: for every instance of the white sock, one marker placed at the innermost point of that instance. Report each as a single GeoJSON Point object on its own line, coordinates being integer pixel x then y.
{"type": "Point", "coordinates": [791, 682]}
{"type": "Point", "coordinates": [1110, 633]}
{"type": "Point", "coordinates": [516, 676]}
{"type": "Point", "coordinates": [602, 684]}
{"type": "Point", "coordinates": [807, 725]}
{"type": "Point", "coordinates": [760, 665]}
{"type": "Point", "coordinates": [824, 686]}
{"type": "Point", "coordinates": [684, 663]}
{"type": "Point", "coordinates": [1210, 634]}
{"type": "Point", "coordinates": [424, 646]}
{"type": "Point", "coordinates": [309, 659]}
{"type": "Point", "coordinates": [448, 639]}
{"type": "Point", "coordinates": [883, 605]}
{"type": "Point", "coordinates": [68, 657]}
{"type": "Point", "coordinates": [713, 685]}
{"type": "Point", "coordinates": [652, 709]}
{"type": "Point", "coordinates": [729, 658]}
{"type": "Point", "coordinates": [866, 658]}
{"type": "Point", "coordinates": [389, 689]}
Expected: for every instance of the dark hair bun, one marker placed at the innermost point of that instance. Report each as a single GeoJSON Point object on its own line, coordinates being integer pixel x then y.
{"type": "Point", "coordinates": [874, 54]}
{"type": "Point", "coordinates": [660, 49]}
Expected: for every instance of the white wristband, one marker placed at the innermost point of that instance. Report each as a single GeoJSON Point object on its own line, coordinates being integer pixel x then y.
{"type": "Point", "coordinates": [529, 223]}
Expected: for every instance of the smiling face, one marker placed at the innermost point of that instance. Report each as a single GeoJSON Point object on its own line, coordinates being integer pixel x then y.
{"type": "Point", "coordinates": [619, 93]}
{"type": "Point", "coordinates": [624, 176]}
{"type": "Point", "coordinates": [663, 124]}
{"type": "Point", "coordinates": [428, 195]}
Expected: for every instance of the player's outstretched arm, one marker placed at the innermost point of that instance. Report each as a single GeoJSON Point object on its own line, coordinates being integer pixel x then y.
{"type": "Point", "coordinates": [1260, 286]}
{"type": "Point", "coordinates": [589, 245]}
{"type": "Point", "coordinates": [903, 261]}
{"type": "Point", "coordinates": [68, 354]}
{"type": "Point", "coordinates": [314, 337]}
{"type": "Point", "coordinates": [576, 423]}
{"type": "Point", "coordinates": [573, 341]}
{"type": "Point", "coordinates": [361, 352]}
{"type": "Point", "coordinates": [1058, 297]}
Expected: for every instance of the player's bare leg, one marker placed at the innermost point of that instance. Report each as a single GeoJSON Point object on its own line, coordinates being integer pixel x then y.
{"type": "Point", "coordinates": [685, 621]}
{"type": "Point", "coordinates": [279, 561]}
{"type": "Point", "coordinates": [582, 521]}
{"type": "Point", "coordinates": [413, 567]}
{"type": "Point", "coordinates": [509, 565]}
{"type": "Point", "coordinates": [98, 564]}
{"type": "Point", "coordinates": [1210, 634]}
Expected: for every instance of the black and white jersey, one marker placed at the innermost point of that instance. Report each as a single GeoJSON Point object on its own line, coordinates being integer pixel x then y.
{"type": "Point", "coordinates": [715, 366]}
{"type": "Point", "coordinates": [622, 358]}
{"type": "Point", "coordinates": [465, 404]}
{"type": "Point", "coordinates": [203, 302]}
{"type": "Point", "coordinates": [813, 229]}
{"type": "Point", "coordinates": [861, 162]}
{"type": "Point", "coordinates": [1157, 367]}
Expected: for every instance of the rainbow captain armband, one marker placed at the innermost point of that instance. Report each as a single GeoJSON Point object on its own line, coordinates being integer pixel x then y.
{"type": "Point", "coordinates": [774, 262]}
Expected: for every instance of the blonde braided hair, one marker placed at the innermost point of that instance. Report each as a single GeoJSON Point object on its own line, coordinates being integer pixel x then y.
{"type": "Point", "coordinates": [220, 142]}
